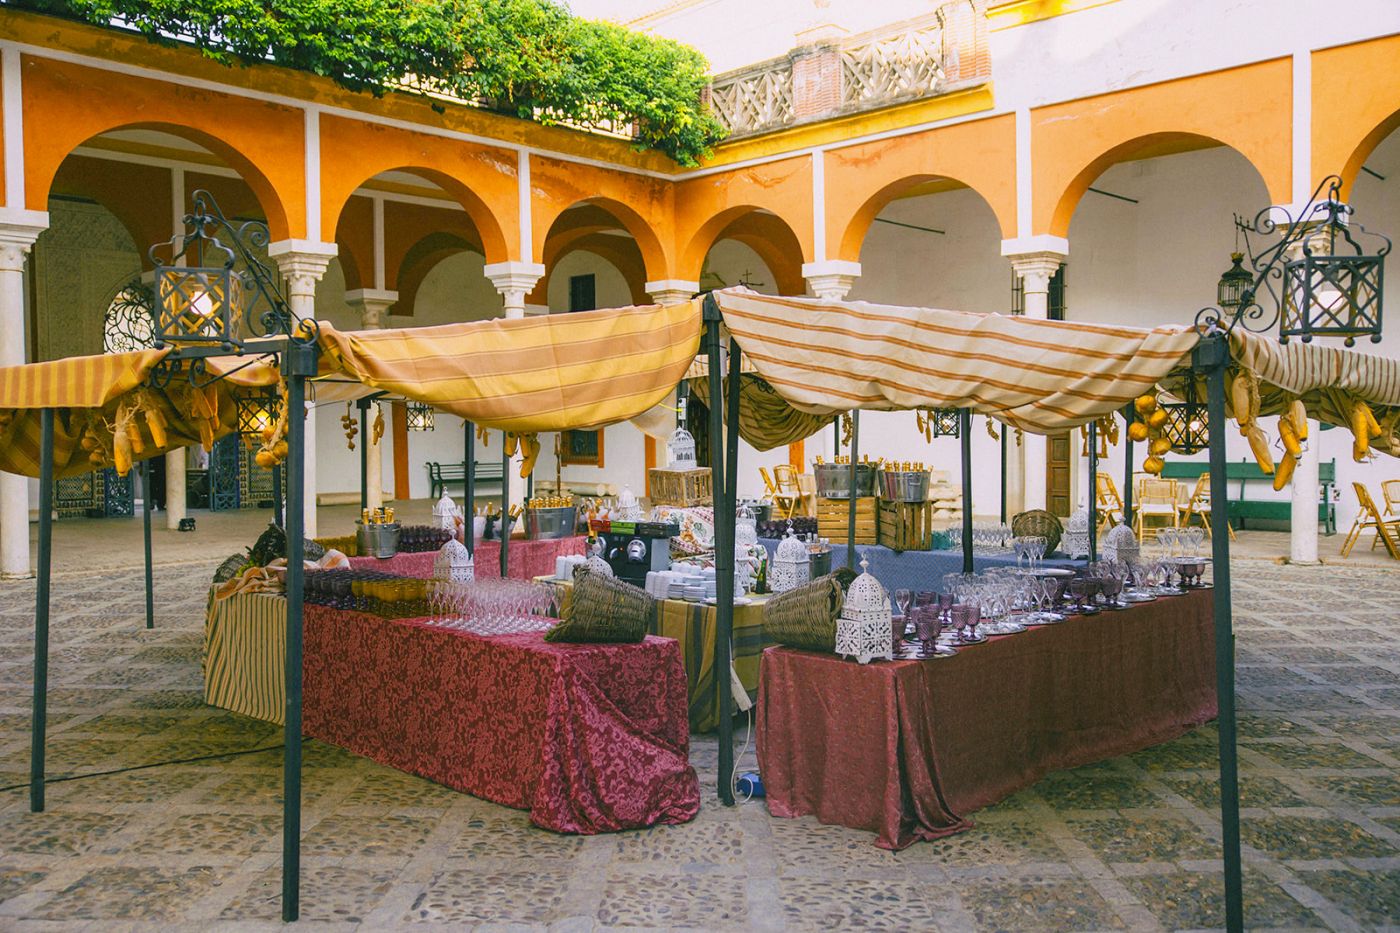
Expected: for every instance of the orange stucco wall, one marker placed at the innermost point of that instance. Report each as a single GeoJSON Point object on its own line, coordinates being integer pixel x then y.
{"type": "Point", "coordinates": [480, 178]}
{"type": "Point", "coordinates": [641, 204]}
{"type": "Point", "coordinates": [1248, 108]}
{"type": "Point", "coordinates": [861, 180]}
{"type": "Point", "coordinates": [706, 205]}
{"type": "Point", "coordinates": [66, 104]}
{"type": "Point", "coordinates": [1355, 105]}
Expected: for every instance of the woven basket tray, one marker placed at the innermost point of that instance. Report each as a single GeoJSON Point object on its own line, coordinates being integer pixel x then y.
{"type": "Point", "coordinates": [1041, 524]}
{"type": "Point", "coordinates": [805, 617]}
{"type": "Point", "coordinates": [604, 609]}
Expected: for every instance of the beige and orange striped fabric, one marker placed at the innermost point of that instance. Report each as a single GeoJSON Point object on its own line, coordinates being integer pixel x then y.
{"type": "Point", "coordinates": [1299, 368]}
{"type": "Point", "coordinates": [76, 382]}
{"type": "Point", "coordinates": [546, 373]}
{"type": "Point", "coordinates": [826, 357]}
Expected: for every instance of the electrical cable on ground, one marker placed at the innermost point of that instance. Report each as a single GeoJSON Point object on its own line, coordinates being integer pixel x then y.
{"type": "Point", "coordinates": [154, 764]}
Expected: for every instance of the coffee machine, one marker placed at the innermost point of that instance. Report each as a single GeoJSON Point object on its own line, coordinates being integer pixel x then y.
{"type": "Point", "coordinates": [634, 549]}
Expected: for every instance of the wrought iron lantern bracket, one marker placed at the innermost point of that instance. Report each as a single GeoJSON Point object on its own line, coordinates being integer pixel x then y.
{"type": "Point", "coordinates": [1318, 276]}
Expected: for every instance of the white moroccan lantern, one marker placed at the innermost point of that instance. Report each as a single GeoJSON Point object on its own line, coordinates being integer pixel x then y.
{"type": "Point", "coordinates": [745, 529]}
{"type": "Point", "coordinates": [445, 514]}
{"type": "Point", "coordinates": [791, 565]}
{"type": "Point", "coordinates": [453, 563]}
{"type": "Point", "coordinates": [1075, 542]}
{"type": "Point", "coordinates": [628, 508]}
{"type": "Point", "coordinates": [1121, 544]}
{"type": "Point", "coordinates": [680, 448]}
{"type": "Point", "coordinates": [864, 630]}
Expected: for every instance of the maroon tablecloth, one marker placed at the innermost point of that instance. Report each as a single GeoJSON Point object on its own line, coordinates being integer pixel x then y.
{"type": "Point", "coordinates": [588, 738]}
{"type": "Point", "coordinates": [528, 559]}
{"type": "Point", "coordinates": [907, 749]}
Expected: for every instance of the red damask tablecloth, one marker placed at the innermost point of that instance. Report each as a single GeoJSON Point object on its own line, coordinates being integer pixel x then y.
{"type": "Point", "coordinates": [907, 749]}
{"type": "Point", "coordinates": [528, 559]}
{"type": "Point", "coordinates": [588, 738]}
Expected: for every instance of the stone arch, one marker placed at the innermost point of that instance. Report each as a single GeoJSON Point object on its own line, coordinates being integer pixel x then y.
{"type": "Point", "coordinates": [653, 255]}
{"type": "Point", "coordinates": [854, 235]}
{"type": "Point", "coordinates": [623, 255]}
{"type": "Point", "coordinates": [740, 221]}
{"type": "Point", "coordinates": [1364, 147]}
{"type": "Point", "coordinates": [1142, 147]}
{"type": "Point", "coordinates": [420, 259]}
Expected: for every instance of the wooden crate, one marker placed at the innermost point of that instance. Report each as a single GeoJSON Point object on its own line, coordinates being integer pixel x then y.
{"type": "Point", "coordinates": [833, 515]}
{"type": "Point", "coordinates": [906, 526]}
{"type": "Point", "coordinates": [679, 487]}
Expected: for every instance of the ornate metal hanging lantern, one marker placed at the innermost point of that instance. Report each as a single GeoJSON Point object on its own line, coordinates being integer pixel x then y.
{"type": "Point", "coordinates": [420, 416]}
{"type": "Point", "coordinates": [257, 412]}
{"type": "Point", "coordinates": [1186, 426]}
{"type": "Point", "coordinates": [944, 422]}
{"type": "Point", "coordinates": [1324, 274]}
{"type": "Point", "coordinates": [211, 291]}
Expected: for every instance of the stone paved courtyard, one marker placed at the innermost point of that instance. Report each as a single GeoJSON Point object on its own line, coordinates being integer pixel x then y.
{"type": "Point", "coordinates": [1125, 844]}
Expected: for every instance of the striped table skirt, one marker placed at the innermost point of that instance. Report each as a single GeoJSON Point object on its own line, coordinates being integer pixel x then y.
{"type": "Point", "coordinates": [245, 655]}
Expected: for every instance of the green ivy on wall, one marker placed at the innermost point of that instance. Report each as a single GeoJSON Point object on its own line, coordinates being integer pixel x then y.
{"type": "Point", "coordinates": [529, 58]}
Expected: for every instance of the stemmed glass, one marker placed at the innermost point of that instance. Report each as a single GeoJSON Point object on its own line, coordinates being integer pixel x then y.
{"type": "Point", "coordinates": [1195, 536]}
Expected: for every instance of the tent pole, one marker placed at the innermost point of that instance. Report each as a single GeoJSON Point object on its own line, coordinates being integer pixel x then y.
{"type": "Point", "coordinates": [1093, 491]}
{"type": "Point", "coordinates": [1004, 429]}
{"type": "Point", "coordinates": [468, 486]}
{"type": "Point", "coordinates": [724, 571]}
{"type": "Point", "coordinates": [965, 439]}
{"type": "Point", "coordinates": [277, 496]}
{"type": "Point", "coordinates": [711, 314]}
{"type": "Point", "coordinates": [363, 405]}
{"type": "Point", "coordinates": [297, 363]}
{"type": "Point", "coordinates": [39, 714]}
{"type": "Point", "coordinates": [505, 509]}
{"type": "Point", "coordinates": [1213, 355]}
{"type": "Point", "coordinates": [851, 492]}
{"type": "Point", "coordinates": [146, 520]}
{"type": "Point", "coordinates": [1128, 467]}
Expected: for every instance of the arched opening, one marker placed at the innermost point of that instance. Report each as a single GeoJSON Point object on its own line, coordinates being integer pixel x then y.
{"type": "Point", "coordinates": [770, 246]}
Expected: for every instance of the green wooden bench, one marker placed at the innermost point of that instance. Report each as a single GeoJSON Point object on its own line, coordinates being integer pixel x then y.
{"type": "Point", "coordinates": [1244, 510]}
{"type": "Point", "coordinates": [440, 474]}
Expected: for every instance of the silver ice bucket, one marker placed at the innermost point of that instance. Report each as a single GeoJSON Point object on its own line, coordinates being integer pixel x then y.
{"type": "Point", "coordinates": [377, 540]}
{"type": "Point", "coordinates": [820, 561]}
{"type": "Point", "coordinates": [550, 523]}
{"type": "Point", "coordinates": [904, 485]}
{"type": "Point", "coordinates": [834, 480]}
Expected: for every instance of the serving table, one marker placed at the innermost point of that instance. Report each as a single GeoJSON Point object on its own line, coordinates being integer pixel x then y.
{"type": "Point", "coordinates": [920, 570]}
{"type": "Point", "coordinates": [528, 559]}
{"type": "Point", "coordinates": [587, 738]}
{"type": "Point", "coordinates": [692, 625]}
{"type": "Point", "coordinates": [907, 749]}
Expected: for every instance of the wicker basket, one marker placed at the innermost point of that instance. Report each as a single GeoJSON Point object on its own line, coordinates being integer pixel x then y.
{"type": "Point", "coordinates": [1041, 524]}
{"type": "Point", "coordinates": [604, 609]}
{"type": "Point", "coordinates": [805, 617]}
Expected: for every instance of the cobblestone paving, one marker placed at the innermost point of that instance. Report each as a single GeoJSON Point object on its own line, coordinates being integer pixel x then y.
{"type": "Point", "coordinates": [1124, 844]}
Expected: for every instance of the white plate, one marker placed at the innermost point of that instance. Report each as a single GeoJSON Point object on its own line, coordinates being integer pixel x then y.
{"type": "Point", "coordinates": [738, 600]}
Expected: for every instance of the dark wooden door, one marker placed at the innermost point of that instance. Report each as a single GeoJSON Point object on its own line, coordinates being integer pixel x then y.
{"type": "Point", "coordinates": [1058, 463]}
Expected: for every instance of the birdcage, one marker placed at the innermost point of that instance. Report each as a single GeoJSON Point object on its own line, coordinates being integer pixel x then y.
{"type": "Point", "coordinates": [864, 629]}
{"type": "Point", "coordinates": [680, 448]}
{"type": "Point", "coordinates": [445, 514]}
{"type": "Point", "coordinates": [1075, 542]}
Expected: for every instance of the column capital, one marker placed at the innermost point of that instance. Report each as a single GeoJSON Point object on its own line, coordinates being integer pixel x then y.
{"type": "Point", "coordinates": [1036, 259]}
{"type": "Point", "coordinates": [1042, 243]}
{"type": "Point", "coordinates": [302, 263]}
{"type": "Point", "coordinates": [671, 291]}
{"type": "Point", "coordinates": [831, 278]}
{"type": "Point", "coordinates": [514, 280]}
{"type": "Point", "coordinates": [373, 304]}
{"type": "Point", "coordinates": [536, 310]}
{"type": "Point", "coordinates": [18, 231]}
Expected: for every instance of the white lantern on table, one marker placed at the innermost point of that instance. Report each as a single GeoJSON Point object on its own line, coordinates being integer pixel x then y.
{"type": "Point", "coordinates": [445, 514]}
{"type": "Point", "coordinates": [1075, 542]}
{"type": "Point", "coordinates": [454, 563]}
{"type": "Point", "coordinates": [680, 448]}
{"type": "Point", "coordinates": [791, 565]}
{"type": "Point", "coordinates": [864, 630]}
{"type": "Point", "coordinates": [1120, 543]}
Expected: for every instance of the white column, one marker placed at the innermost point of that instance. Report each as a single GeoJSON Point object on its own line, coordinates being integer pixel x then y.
{"type": "Point", "coordinates": [18, 231]}
{"type": "Point", "coordinates": [514, 280]}
{"type": "Point", "coordinates": [302, 263]}
{"type": "Point", "coordinates": [1035, 260]}
{"type": "Point", "coordinates": [372, 304]}
{"type": "Point", "coordinates": [1302, 544]}
{"type": "Point", "coordinates": [671, 291]}
{"type": "Point", "coordinates": [831, 279]}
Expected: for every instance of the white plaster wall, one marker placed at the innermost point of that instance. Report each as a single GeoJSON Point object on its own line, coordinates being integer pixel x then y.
{"type": "Point", "coordinates": [609, 286]}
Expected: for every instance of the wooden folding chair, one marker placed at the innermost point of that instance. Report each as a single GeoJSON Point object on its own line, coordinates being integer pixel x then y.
{"type": "Point", "coordinates": [1390, 492]}
{"type": "Point", "coordinates": [1156, 499]}
{"type": "Point", "coordinates": [1370, 517]}
{"type": "Point", "coordinates": [787, 493]}
{"type": "Point", "coordinates": [1110, 504]}
{"type": "Point", "coordinates": [1199, 506]}
{"type": "Point", "coordinates": [769, 489]}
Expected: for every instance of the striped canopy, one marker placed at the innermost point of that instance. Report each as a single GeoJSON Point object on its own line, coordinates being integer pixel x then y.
{"type": "Point", "coordinates": [826, 357]}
